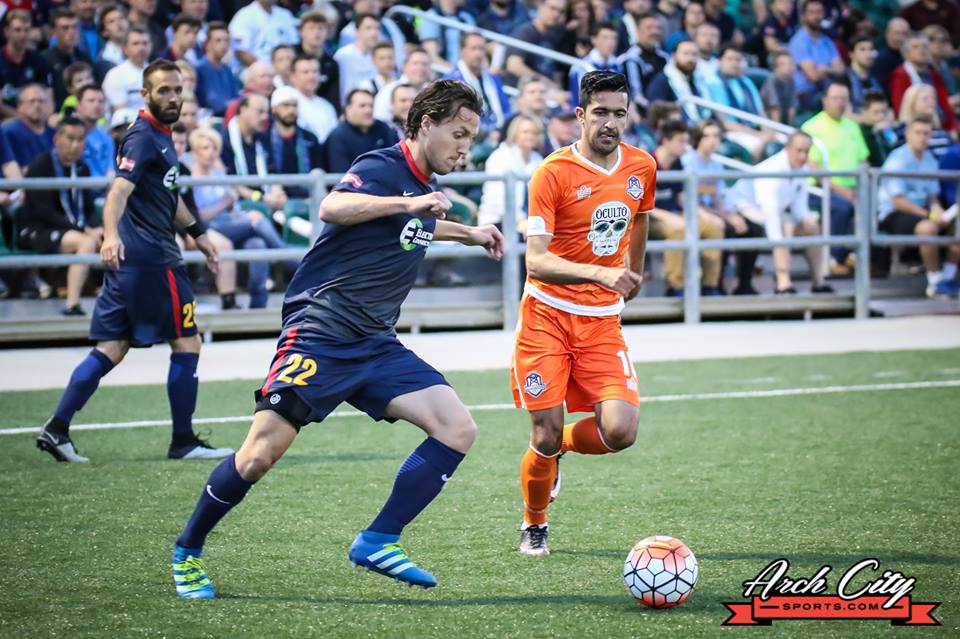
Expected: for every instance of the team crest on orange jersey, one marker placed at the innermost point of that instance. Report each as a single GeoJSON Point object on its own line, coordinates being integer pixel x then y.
{"type": "Point", "coordinates": [584, 192]}
{"type": "Point", "coordinates": [634, 188]}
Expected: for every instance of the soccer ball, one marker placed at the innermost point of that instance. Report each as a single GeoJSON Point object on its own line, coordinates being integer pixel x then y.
{"type": "Point", "coordinates": [660, 572]}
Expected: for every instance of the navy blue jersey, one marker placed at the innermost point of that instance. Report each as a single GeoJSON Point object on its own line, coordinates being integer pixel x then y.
{"type": "Point", "coordinates": [146, 157]}
{"type": "Point", "coordinates": [352, 282]}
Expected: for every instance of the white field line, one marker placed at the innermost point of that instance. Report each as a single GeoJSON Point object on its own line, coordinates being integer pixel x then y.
{"type": "Point", "coordinates": [755, 394]}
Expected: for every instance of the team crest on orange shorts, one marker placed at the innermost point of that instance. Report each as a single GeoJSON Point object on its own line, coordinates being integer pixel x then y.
{"type": "Point", "coordinates": [534, 385]}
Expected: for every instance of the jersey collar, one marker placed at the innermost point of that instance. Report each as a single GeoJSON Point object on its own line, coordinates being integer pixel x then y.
{"type": "Point", "coordinates": [408, 156]}
{"type": "Point", "coordinates": [597, 167]}
{"type": "Point", "coordinates": [149, 118]}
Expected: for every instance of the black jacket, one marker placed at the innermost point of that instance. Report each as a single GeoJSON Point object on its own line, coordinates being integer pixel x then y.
{"type": "Point", "coordinates": [44, 209]}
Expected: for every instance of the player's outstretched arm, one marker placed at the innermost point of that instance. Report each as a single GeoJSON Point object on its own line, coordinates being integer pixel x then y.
{"type": "Point", "coordinates": [637, 253]}
{"type": "Point", "coordinates": [111, 251]}
{"type": "Point", "coordinates": [346, 208]}
{"type": "Point", "coordinates": [547, 267]}
{"type": "Point", "coordinates": [193, 226]}
{"type": "Point", "coordinates": [488, 236]}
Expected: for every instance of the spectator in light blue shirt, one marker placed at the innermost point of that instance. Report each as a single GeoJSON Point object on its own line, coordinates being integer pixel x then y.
{"type": "Point", "coordinates": [815, 54]}
{"type": "Point", "coordinates": [910, 206]}
{"type": "Point", "coordinates": [99, 150]}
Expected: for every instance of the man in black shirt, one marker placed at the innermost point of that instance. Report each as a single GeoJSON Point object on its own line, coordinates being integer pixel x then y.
{"type": "Point", "coordinates": [62, 220]}
{"type": "Point", "coordinates": [643, 61]}
{"type": "Point", "coordinates": [66, 51]}
{"type": "Point", "coordinates": [889, 56]}
{"type": "Point", "coordinates": [545, 30]}
{"type": "Point", "coordinates": [19, 65]}
{"type": "Point", "coordinates": [359, 133]}
{"type": "Point", "coordinates": [314, 31]}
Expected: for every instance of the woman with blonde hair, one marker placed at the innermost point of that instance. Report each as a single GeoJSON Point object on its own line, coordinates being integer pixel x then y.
{"type": "Point", "coordinates": [921, 99]}
{"type": "Point", "coordinates": [517, 154]}
{"type": "Point", "coordinates": [218, 209]}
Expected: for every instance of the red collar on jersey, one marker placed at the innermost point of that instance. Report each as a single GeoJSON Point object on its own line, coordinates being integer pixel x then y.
{"type": "Point", "coordinates": [408, 156]}
{"type": "Point", "coordinates": [153, 121]}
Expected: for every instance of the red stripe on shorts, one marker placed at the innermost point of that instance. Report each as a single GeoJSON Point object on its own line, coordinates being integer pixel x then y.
{"type": "Point", "coordinates": [175, 298]}
{"type": "Point", "coordinates": [278, 359]}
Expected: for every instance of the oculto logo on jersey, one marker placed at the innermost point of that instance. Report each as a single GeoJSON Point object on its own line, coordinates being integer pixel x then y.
{"type": "Point", "coordinates": [533, 385]}
{"type": "Point", "coordinates": [353, 179]}
{"type": "Point", "coordinates": [413, 235]}
{"type": "Point", "coordinates": [773, 595]}
{"type": "Point", "coordinates": [608, 225]}
{"type": "Point", "coordinates": [634, 188]}
{"type": "Point", "coordinates": [171, 176]}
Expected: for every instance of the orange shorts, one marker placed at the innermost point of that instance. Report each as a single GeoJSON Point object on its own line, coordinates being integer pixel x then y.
{"type": "Point", "coordinates": [561, 357]}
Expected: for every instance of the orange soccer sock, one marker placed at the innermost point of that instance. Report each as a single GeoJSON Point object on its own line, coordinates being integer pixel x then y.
{"type": "Point", "coordinates": [537, 474]}
{"type": "Point", "coordinates": [584, 437]}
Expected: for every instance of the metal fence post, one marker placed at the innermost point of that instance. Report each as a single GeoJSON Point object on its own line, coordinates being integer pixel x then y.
{"type": "Point", "coordinates": [318, 191]}
{"type": "Point", "coordinates": [691, 276]}
{"type": "Point", "coordinates": [863, 226]}
{"type": "Point", "coordinates": [510, 270]}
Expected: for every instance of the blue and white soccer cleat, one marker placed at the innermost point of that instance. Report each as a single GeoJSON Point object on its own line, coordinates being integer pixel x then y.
{"type": "Point", "coordinates": [189, 575]}
{"type": "Point", "coordinates": [382, 554]}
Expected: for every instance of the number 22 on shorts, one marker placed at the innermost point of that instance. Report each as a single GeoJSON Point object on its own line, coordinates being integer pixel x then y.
{"type": "Point", "coordinates": [296, 361]}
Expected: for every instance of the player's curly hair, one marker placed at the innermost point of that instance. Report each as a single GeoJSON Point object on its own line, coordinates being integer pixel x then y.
{"type": "Point", "coordinates": [594, 82]}
{"type": "Point", "coordinates": [441, 100]}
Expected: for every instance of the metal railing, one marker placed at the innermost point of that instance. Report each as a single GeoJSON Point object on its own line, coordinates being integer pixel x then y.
{"type": "Point", "coordinates": [865, 233]}
{"type": "Point", "coordinates": [773, 125]}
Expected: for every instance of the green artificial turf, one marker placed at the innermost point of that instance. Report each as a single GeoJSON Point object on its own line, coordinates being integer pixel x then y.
{"type": "Point", "coordinates": [826, 478]}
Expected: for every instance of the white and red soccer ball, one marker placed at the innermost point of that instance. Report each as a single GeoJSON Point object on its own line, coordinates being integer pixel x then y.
{"type": "Point", "coordinates": [660, 572]}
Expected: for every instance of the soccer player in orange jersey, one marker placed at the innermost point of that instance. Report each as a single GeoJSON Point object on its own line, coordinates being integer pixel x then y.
{"type": "Point", "coordinates": [586, 242]}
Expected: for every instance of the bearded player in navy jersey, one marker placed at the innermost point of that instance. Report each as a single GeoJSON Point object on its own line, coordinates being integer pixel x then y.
{"type": "Point", "coordinates": [146, 297]}
{"type": "Point", "coordinates": [338, 342]}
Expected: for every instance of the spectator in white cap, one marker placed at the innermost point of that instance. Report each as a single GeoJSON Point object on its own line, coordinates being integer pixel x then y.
{"type": "Point", "coordinates": [295, 150]}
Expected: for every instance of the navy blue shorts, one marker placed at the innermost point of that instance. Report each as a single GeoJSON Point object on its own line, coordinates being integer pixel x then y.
{"type": "Point", "coordinates": [367, 374]}
{"type": "Point", "coordinates": [144, 307]}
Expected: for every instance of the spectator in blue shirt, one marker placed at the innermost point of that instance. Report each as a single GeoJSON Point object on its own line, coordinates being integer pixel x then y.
{"type": "Point", "coordinates": [860, 74]}
{"type": "Point", "coordinates": [545, 30]}
{"type": "Point", "coordinates": [86, 12]}
{"type": "Point", "coordinates": [64, 51]}
{"type": "Point", "coordinates": [29, 135]}
{"type": "Point", "coordinates": [729, 86]}
{"type": "Point", "coordinates": [98, 153]}
{"type": "Point", "coordinates": [815, 54]}
{"type": "Point", "coordinates": [472, 69]}
{"type": "Point", "coordinates": [443, 43]}
{"type": "Point", "coordinates": [910, 206]}
{"type": "Point", "coordinates": [948, 188]}
{"type": "Point", "coordinates": [216, 84]}
{"type": "Point", "coordinates": [358, 133]}
{"type": "Point", "coordinates": [502, 16]}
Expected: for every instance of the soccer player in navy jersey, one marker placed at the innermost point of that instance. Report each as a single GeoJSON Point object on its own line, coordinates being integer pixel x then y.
{"type": "Point", "coordinates": [146, 297]}
{"type": "Point", "coordinates": [338, 342]}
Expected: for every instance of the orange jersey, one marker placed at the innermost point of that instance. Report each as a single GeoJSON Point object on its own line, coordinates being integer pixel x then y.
{"type": "Point", "coordinates": [589, 211]}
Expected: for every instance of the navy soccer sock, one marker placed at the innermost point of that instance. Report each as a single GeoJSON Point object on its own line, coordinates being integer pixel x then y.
{"type": "Point", "coordinates": [83, 382]}
{"type": "Point", "coordinates": [182, 392]}
{"type": "Point", "coordinates": [224, 489]}
{"type": "Point", "coordinates": [419, 481]}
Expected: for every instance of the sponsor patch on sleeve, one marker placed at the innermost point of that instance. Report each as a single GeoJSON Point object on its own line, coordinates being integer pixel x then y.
{"type": "Point", "coordinates": [353, 179]}
{"type": "Point", "coordinates": [127, 164]}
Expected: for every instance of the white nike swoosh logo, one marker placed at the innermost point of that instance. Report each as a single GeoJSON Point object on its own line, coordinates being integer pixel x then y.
{"type": "Point", "coordinates": [163, 150]}
{"type": "Point", "coordinates": [214, 497]}
{"type": "Point", "coordinates": [443, 477]}
{"type": "Point", "coordinates": [407, 193]}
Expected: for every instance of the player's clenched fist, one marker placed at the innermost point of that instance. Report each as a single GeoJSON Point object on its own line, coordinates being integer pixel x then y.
{"type": "Point", "coordinates": [111, 251]}
{"type": "Point", "coordinates": [435, 204]}
{"type": "Point", "coordinates": [621, 280]}
{"type": "Point", "coordinates": [489, 237]}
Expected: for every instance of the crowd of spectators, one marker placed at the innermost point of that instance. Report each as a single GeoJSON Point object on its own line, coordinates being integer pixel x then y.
{"type": "Point", "coordinates": [278, 86]}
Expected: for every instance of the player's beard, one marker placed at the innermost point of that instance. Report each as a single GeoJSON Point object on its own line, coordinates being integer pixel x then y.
{"type": "Point", "coordinates": [604, 145]}
{"type": "Point", "coordinates": [168, 115]}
